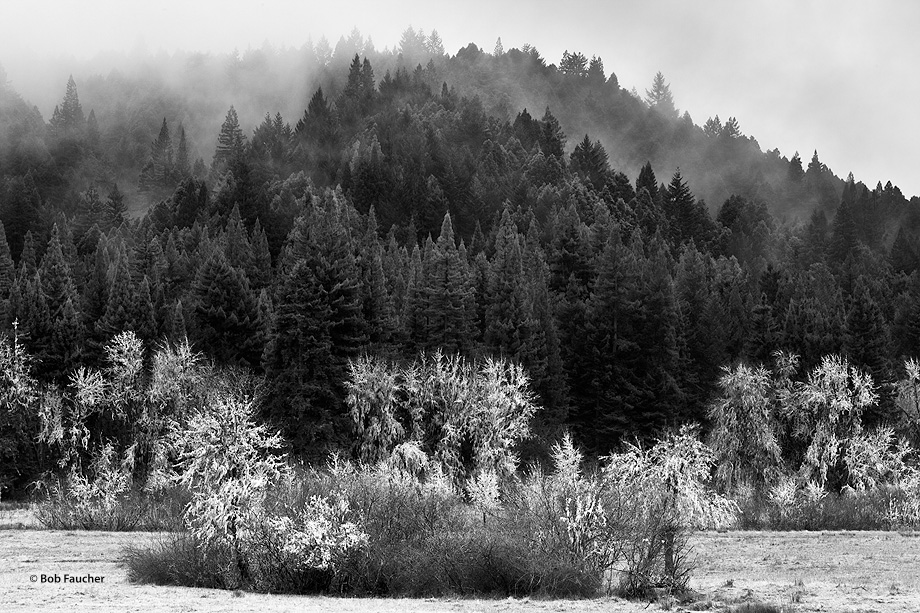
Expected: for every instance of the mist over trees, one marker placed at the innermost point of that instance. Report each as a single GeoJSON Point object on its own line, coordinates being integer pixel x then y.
{"type": "Point", "coordinates": [291, 210]}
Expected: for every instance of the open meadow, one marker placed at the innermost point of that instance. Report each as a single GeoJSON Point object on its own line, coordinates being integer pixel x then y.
{"type": "Point", "coordinates": [797, 571]}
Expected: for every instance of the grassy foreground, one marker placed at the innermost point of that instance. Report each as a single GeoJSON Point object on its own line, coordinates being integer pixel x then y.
{"type": "Point", "coordinates": [798, 571]}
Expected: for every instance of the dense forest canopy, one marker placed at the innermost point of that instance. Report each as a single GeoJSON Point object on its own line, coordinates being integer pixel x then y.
{"type": "Point", "coordinates": [291, 210]}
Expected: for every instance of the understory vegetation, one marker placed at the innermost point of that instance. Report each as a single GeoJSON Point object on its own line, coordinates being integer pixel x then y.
{"type": "Point", "coordinates": [432, 498]}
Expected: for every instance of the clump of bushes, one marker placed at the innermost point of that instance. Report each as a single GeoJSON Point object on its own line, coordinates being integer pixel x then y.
{"type": "Point", "coordinates": [451, 514]}
{"type": "Point", "coordinates": [829, 473]}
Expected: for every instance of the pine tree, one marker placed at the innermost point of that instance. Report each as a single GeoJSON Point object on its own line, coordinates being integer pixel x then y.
{"type": "Point", "coordinates": [7, 268]}
{"type": "Point", "coordinates": [68, 120]}
{"type": "Point", "coordinates": [260, 273]}
{"type": "Point", "coordinates": [688, 218]}
{"type": "Point", "coordinates": [21, 211]}
{"type": "Point", "coordinates": [661, 402]}
{"type": "Point", "coordinates": [647, 180]}
{"type": "Point", "coordinates": [114, 210]}
{"type": "Point", "coordinates": [867, 340]}
{"type": "Point", "coordinates": [226, 314]}
{"type": "Point", "coordinates": [177, 329]}
{"type": "Point", "coordinates": [445, 293]}
{"type": "Point", "coordinates": [34, 316]}
{"type": "Point", "coordinates": [603, 373]}
{"type": "Point", "coordinates": [28, 263]}
{"type": "Point", "coordinates": [92, 133]}
{"type": "Point", "coordinates": [377, 304]}
{"type": "Point", "coordinates": [119, 314]}
{"type": "Point", "coordinates": [183, 165]}
{"type": "Point", "coordinates": [590, 160]}
{"type": "Point", "coordinates": [552, 138]}
{"type": "Point", "coordinates": [507, 312]}
{"type": "Point", "coordinates": [763, 338]}
{"type": "Point", "coordinates": [230, 142]}
{"type": "Point", "coordinates": [660, 98]}
{"type": "Point", "coordinates": [318, 326]}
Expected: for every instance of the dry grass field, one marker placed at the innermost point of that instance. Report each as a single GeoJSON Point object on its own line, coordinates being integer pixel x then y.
{"type": "Point", "coordinates": [797, 571]}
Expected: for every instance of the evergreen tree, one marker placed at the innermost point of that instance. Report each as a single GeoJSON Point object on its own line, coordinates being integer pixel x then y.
{"type": "Point", "coordinates": [688, 218]}
{"type": "Point", "coordinates": [552, 138]}
{"type": "Point", "coordinates": [68, 120]}
{"type": "Point", "coordinates": [660, 98]}
{"type": "Point", "coordinates": [120, 309]}
{"type": "Point", "coordinates": [7, 268]}
{"type": "Point", "coordinates": [230, 142]}
{"type": "Point", "coordinates": [317, 327]}
{"type": "Point", "coordinates": [28, 262]}
{"type": "Point", "coordinates": [590, 160]}
{"type": "Point", "coordinates": [177, 329]}
{"type": "Point", "coordinates": [445, 295]}
{"type": "Point", "coordinates": [867, 340]}
{"type": "Point", "coordinates": [226, 314]}
{"type": "Point", "coordinates": [763, 338]}
{"type": "Point", "coordinates": [114, 209]}
{"type": "Point", "coordinates": [183, 165]}
{"type": "Point", "coordinates": [508, 322]}
{"type": "Point", "coordinates": [92, 133]}
{"type": "Point", "coordinates": [20, 211]}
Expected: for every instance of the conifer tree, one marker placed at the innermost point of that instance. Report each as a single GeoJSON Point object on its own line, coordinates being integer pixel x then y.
{"type": "Point", "coordinates": [34, 316]}
{"type": "Point", "coordinates": [867, 340]}
{"type": "Point", "coordinates": [603, 373]}
{"type": "Point", "coordinates": [68, 120]}
{"type": "Point", "coordinates": [508, 317]}
{"type": "Point", "coordinates": [226, 314]}
{"type": "Point", "coordinates": [590, 160]}
{"type": "Point", "coordinates": [318, 325]}
{"type": "Point", "coordinates": [177, 330]}
{"type": "Point", "coordinates": [28, 262]}
{"type": "Point", "coordinates": [260, 273]}
{"type": "Point", "coordinates": [119, 313]}
{"type": "Point", "coordinates": [763, 338]}
{"type": "Point", "coordinates": [92, 133]}
{"type": "Point", "coordinates": [660, 97]}
{"type": "Point", "coordinates": [183, 165]}
{"type": "Point", "coordinates": [552, 138]}
{"type": "Point", "coordinates": [114, 210]}
{"type": "Point", "coordinates": [230, 142]}
{"type": "Point", "coordinates": [647, 180]}
{"type": "Point", "coordinates": [445, 294]}
{"type": "Point", "coordinates": [7, 268]}
{"type": "Point", "coordinates": [21, 211]}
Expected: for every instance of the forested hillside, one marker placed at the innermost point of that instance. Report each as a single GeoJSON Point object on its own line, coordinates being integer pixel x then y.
{"type": "Point", "coordinates": [291, 210]}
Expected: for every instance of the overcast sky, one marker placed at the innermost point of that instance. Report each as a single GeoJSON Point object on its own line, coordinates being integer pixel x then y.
{"type": "Point", "coordinates": [838, 76]}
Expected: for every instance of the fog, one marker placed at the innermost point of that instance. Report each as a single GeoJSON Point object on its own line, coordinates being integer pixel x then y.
{"type": "Point", "coordinates": [827, 75]}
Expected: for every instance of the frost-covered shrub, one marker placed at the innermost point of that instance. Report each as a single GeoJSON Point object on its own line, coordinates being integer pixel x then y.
{"type": "Point", "coordinates": [630, 516]}
{"type": "Point", "coordinates": [319, 537]}
{"type": "Point", "coordinates": [19, 400]}
{"type": "Point", "coordinates": [99, 499]}
{"type": "Point", "coordinates": [667, 497]}
{"type": "Point", "coordinates": [226, 464]}
{"type": "Point", "coordinates": [466, 417]}
{"type": "Point", "coordinates": [828, 415]}
{"type": "Point", "coordinates": [744, 428]}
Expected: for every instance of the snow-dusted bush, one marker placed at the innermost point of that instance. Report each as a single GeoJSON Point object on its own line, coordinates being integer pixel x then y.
{"type": "Point", "coordinates": [225, 461]}
{"type": "Point", "coordinates": [19, 400]}
{"type": "Point", "coordinates": [445, 405]}
{"type": "Point", "coordinates": [744, 428]}
{"type": "Point", "coordinates": [101, 498]}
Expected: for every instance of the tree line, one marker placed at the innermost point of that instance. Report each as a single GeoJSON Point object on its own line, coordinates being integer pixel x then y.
{"type": "Point", "coordinates": [395, 218]}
